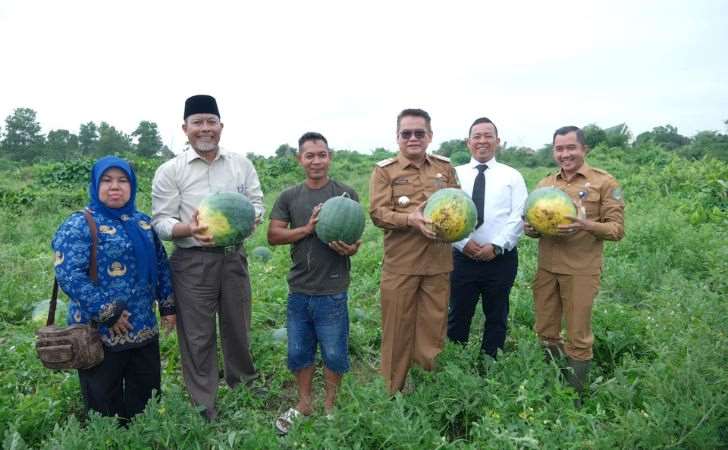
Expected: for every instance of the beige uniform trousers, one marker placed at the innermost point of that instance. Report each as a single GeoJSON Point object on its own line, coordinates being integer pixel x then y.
{"type": "Point", "coordinates": [571, 297]}
{"type": "Point", "coordinates": [414, 323]}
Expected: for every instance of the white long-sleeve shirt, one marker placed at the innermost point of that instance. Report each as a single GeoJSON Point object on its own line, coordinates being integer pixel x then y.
{"type": "Point", "coordinates": [181, 183]}
{"type": "Point", "coordinates": [505, 198]}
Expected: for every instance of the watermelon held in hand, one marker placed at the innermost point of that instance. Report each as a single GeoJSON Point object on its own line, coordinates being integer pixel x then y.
{"type": "Point", "coordinates": [547, 208]}
{"type": "Point", "coordinates": [229, 216]}
{"type": "Point", "coordinates": [340, 219]}
{"type": "Point", "coordinates": [452, 213]}
{"type": "Point", "coordinates": [262, 253]}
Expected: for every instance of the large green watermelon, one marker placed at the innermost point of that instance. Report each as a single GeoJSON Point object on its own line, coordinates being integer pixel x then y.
{"type": "Point", "coordinates": [229, 217]}
{"type": "Point", "coordinates": [452, 213]}
{"type": "Point", "coordinates": [262, 253]}
{"type": "Point", "coordinates": [547, 208]}
{"type": "Point", "coordinates": [340, 219]}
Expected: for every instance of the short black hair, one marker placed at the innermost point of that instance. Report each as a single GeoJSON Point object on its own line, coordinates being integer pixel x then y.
{"type": "Point", "coordinates": [311, 136]}
{"type": "Point", "coordinates": [483, 120]}
{"type": "Point", "coordinates": [563, 131]}
{"type": "Point", "coordinates": [416, 112]}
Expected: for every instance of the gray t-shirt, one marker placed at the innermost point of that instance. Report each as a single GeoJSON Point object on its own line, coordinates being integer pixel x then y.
{"type": "Point", "coordinates": [315, 268]}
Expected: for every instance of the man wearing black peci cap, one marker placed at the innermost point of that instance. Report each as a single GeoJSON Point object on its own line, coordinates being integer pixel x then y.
{"type": "Point", "coordinates": [207, 280]}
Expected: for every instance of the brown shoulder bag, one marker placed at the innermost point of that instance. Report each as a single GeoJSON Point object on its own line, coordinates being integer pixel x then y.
{"type": "Point", "coordinates": [77, 346]}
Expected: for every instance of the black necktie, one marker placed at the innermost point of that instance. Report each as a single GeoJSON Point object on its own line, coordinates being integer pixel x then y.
{"type": "Point", "coordinates": [479, 192]}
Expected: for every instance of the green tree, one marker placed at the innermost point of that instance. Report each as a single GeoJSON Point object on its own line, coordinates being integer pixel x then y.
{"type": "Point", "coordinates": [448, 148]}
{"type": "Point", "coordinates": [88, 139]}
{"type": "Point", "coordinates": [149, 143]}
{"type": "Point", "coordinates": [709, 144]}
{"type": "Point", "coordinates": [112, 141]}
{"type": "Point", "coordinates": [285, 151]}
{"type": "Point", "coordinates": [62, 145]}
{"type": "Point", "coordinates": [666, 137]}
{"type": "Point", "coordinates": [593, 135]}
{"type": "Point", "coordinates": [22, 140]}
{"type": "Point", "coordinates": [618, 135]}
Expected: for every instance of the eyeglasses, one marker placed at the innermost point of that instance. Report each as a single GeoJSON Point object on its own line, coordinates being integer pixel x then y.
{"type": "Point", "coordinates": [407, 134]}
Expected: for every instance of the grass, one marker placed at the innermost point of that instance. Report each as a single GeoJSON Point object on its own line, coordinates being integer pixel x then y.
{"type": "Point", "coordinates": [660, 378]}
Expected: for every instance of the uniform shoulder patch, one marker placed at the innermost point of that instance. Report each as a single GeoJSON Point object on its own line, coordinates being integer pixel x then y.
{"type": "Point", "coordinates": [440, 157]}
{"type": "Point", "coordinates": [386, 162]}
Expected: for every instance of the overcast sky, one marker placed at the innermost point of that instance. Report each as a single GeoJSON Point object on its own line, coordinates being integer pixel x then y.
{"type": "Point", "coordinates": [346, 69]}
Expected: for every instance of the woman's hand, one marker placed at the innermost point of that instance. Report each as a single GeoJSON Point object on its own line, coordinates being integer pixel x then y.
{"type": "Point", "coordinates": [122, 325]}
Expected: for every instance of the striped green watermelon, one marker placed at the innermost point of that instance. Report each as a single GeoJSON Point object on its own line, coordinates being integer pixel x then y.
{"type": "Point", "coordinates": [229, 216]}
{"type": "Point", "coordinates": [340, 219]}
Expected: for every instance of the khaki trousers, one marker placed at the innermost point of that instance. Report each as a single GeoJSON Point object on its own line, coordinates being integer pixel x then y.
{"type": "Point", "coordinates": [569, 296]}
{"type": "Point", "coordinates": [414, 323]}
{"type": "Point", "coordinates": [207, 285]}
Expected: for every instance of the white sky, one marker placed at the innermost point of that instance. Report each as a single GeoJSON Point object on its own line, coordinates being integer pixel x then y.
{"type": "Point", "coordinates": [345, 69]}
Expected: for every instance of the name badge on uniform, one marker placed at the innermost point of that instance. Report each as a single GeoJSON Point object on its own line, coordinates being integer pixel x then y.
{"type": "Point", "coordinates": [403, 201]}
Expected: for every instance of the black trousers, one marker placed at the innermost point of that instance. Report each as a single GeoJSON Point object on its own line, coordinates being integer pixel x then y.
{"type": "Point", "coordinates": [471, 279]}
{"type": "Point", "coordinates": [123, 383]}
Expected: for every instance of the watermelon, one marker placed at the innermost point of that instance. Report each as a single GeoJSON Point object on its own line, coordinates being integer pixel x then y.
{"type": "Point", "coordinates": [262, 254]}
{"type": "Point", "coordinates": [40, 311]}
{"type": "Point", "coordinates": [340, 219]}
{"type": "Point", "coordinates": [452, 213]}
{"type": "Point", "coordinates": [547, 208]}
{"type": "Point", "coordinates": [229, 216]}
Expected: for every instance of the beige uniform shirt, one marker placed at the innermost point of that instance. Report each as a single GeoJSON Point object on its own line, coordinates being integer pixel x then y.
{"type": "Point", "coordinates": [181, 183]}
{"type": "Point", "coordinates": [601, 198]}
{"type": "Point", "coordinates": [397, 187]}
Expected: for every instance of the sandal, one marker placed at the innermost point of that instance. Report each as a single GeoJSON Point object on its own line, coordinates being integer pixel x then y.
{"type": "Point", "coordinates": [285, 421]}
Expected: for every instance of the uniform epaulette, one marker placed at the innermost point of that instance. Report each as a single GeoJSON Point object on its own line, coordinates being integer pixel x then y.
{"type": "Point", "coordinates": [440, 157]}
{"type": "Point", "coordinates": [386, 162]}
{"type": "Point", "coordinates": [602, 171]}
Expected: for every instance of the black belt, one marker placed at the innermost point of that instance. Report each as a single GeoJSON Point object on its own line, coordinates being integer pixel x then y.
{"type": "Point", "coordinates": [230, 249]}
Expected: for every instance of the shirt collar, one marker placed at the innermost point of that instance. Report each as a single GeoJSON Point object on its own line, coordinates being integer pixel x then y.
{"type": "Point", "coordinates": [192, 155]}
{"type": "Point", "coordinates": [404, 162]}
{"type": "Point", "coordinates": [583, 171]}
{"type": "Point", "coordinates": [474, 163]}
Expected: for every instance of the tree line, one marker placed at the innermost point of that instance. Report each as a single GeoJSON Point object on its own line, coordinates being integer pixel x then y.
{"type": "Point", "coordinates": [21, 140]}
{"type": "Point", "coordinates": [705, 144]}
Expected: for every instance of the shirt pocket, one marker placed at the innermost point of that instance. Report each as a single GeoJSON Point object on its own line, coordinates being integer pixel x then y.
{"type": "Point", "coordinates": [402, 196]}
{"type": "Point", "coordinates": [592, 205]}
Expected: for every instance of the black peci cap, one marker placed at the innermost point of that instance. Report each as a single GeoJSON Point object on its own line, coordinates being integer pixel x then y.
{"type": "Point", "coordinates": [201, 104]}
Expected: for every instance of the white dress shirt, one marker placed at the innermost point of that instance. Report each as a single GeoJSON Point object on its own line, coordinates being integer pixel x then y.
{"type": "Point", "coordinates": [505, 198]}
{"type": "Point", "coordinates": [181, 183]}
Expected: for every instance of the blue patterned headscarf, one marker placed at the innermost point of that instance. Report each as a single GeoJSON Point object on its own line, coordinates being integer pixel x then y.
{"type": "Point", "coordinates": [144, 251]}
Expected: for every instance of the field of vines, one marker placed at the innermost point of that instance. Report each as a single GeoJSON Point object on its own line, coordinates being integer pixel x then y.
{"type": "Point", "coordinates": [660, 374]}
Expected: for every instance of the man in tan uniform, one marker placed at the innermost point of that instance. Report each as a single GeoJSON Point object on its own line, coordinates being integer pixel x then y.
{"type": "Point", "coordinates": [415, 281]}
{"type": "Point", "coordinates": [569, 264]}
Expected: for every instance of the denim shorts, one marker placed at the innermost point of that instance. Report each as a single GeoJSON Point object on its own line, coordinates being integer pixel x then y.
{"type": "Point", "coordinates": [318, 319]}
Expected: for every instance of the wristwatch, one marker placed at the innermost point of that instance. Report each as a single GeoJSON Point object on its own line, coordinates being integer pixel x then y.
{"type": "Point", "coordinates": [498, 250]}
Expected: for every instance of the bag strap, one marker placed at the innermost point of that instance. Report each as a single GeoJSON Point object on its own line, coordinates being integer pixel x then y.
{"type": "Point", "coordinates": [92, 270]}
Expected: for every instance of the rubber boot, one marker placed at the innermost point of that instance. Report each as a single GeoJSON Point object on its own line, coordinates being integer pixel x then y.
{"type": "Point", "coordinates": [553, 352]}
{"type": "Point", "coordinates": [576, 374]}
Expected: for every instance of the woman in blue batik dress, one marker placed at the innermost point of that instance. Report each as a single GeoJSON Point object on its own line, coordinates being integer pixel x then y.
{"type": "Point", "coordinates": [133, 276]}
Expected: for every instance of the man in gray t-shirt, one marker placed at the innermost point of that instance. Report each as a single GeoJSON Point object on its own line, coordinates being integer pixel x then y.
{"type": "Point", "coordinates": [317, 312]}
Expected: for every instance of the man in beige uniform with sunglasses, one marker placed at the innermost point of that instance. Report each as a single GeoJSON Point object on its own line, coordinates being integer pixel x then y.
{"type": "Point", "coordinates": [415, 280]}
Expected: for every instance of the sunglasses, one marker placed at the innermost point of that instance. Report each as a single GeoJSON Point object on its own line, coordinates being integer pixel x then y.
{"type": "Point", "coordinates": [407, 134]}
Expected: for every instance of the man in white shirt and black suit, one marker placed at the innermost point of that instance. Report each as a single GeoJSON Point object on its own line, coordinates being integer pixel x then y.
{"type": "Point", "coordinates": [486, 262]}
